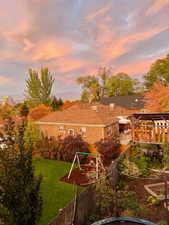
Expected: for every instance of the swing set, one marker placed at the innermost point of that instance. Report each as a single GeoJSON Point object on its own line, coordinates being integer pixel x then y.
{"type": "Point", "coordinates": [97, 165]}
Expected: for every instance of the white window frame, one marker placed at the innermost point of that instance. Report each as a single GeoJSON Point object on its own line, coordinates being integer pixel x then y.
{"type": "Point", "coordinates": [83, 131]}
{"type": "Point", "coordinates": [71, 130]}
{"type": "Point", "coordinates": [61, 128]}
{"type": "Point", "coordinates": [109, 131]}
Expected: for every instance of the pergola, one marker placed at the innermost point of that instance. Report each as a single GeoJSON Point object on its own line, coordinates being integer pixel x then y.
{"type": "Point", "coordinates": [150, 128]}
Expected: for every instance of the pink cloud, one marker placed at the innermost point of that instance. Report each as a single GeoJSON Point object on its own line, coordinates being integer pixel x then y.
{"type": "Point", "coordinates": [50, 49]}
{"type": "Point", "coordinates": [28, 45]}
{"type": "Point", "coordinates": [65, 66]}
{"type": "Point", "coordinates": [137, 67]}
{"type": "Point", "coordinates": [5, 80]}
{"type": "Point", "coordinates": [98, 13]}
{"type": "Point", "coordinates": [118, 47]}
{"type": "Point", "coordinates": [157, 6]}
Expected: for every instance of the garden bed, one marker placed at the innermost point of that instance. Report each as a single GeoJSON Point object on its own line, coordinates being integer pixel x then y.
{"type": "Point", "coordinates": [76, 177]}
{"type": "Point", "coordinates": [155, 212]}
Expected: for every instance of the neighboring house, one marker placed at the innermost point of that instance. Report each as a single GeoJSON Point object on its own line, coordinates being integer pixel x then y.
{"type": "Point", "coordinates": [128, 104]}
{"type": "Point", "coordinates": [93, 122]}
{"type": "Point", "coordinates": [124, 106]}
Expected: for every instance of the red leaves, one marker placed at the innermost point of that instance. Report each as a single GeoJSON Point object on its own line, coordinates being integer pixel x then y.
{"type": "Point", "coordinates": [108, 148]}
{"type": "Point", "coordinates": [39, 111]}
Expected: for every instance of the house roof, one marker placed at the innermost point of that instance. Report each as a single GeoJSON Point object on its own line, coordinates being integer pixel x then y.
{"type": "Point", "coordinates": [81, 114]}
{"type": "Point", "coordinates": [151, 116]}
{"type": "Point", "coordinates": [128, 101]}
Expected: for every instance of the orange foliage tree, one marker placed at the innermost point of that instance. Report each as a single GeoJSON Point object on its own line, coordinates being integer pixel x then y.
{"type": "Point", "coordinates": [157, 98]}
{"type": "Point", "coordinates": [68, 104]}
{"type": "Point", "coordinates": [39, 111]}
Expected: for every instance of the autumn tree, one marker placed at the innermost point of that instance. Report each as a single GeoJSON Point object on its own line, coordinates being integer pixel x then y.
{"type": "Point", "coordinates": [38, 112]}
{"type": "Point", "coordinates": [39, 87]}
{"type": "Point", "coordinates": [20, 199]}
{"type": "Point", "coordinates": [7, 111]}
{"type": "Point", "coordinates": [70, 145]}
{"type": "Point", "coordinates": [121, 84]}
{"type": "Point", "coordinates": [104, 84]}
{"type": "Point", "coordinates": [91, 88]}
{"type": "Point", "coordinates": [68, 104]}
{"type": "Point", "coordinates": [157, 98]}
{"type": "Point", "coordinates": [159, 71]}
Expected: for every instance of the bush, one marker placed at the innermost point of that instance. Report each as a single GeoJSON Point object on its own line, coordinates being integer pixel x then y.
{"type": "Point", "coordinates": [50, 148]}
{"type": "Point", "coordinates": [70, 145]}
{"type": "Point", "coordinates": [162, 222]}
{"type": "Point", "coordinates": [104, 197]}
{"type": "Point", "coordinates": [166, 156]}
{"type": "Point", "coordinates": [142, 164]}
{"type": "Point", "coordinates": [108, 148]}
{"type": "Point", "coordinates": [127, 200]}
{"type": "Point", "coordinates": [153, 200]}
{"type": "Point", "coordinates": [129, 168]}
{"type": "Point", "coordinates": [134, 165]}
{"type": "Point", "coordinates": [92, 218]}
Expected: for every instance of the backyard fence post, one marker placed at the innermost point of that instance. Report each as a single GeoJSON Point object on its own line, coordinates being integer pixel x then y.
{"type": "Point", "coordinates": [72, 166]}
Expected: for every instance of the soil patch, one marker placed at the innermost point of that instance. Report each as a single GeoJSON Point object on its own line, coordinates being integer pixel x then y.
{"type": "Point", "coordinates": [156, 212]}
{"type": "Point", "coordinates": [82, 177]}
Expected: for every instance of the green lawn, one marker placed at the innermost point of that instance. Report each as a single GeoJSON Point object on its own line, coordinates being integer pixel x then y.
{"type": "Point", "coordinates": [55, 194]}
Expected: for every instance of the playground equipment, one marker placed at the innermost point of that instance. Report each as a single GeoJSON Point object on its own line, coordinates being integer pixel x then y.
{"type": "Point", "coordinates": [97, 165]}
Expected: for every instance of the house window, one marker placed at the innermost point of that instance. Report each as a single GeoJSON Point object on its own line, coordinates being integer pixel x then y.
{"type": "Point", "coordinates": [109, 131]}
{"type": "Point", "coordinates": [71, 132]}
{"type": "Point", "coordinates": [83, 131]}
{"type": "Point", "coordinates": [61, 128]}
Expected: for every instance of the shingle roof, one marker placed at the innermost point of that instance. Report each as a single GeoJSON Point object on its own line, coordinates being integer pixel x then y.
{"type": "Point", "coordinates": [128, 102]}
{"type": "Point", "coordinates": [81, 114]}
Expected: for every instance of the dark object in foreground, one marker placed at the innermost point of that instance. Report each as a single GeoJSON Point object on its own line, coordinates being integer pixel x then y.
{"type": "Point", "coordinates": [123, 221]}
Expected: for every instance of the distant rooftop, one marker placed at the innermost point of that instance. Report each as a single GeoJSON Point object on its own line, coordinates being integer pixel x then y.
{"type": "Point", "coordinates": [151, 116]}
{"type": "Point", "coordinates": [128, 101]}
{"type": "Point", "coordinates": [82, 114]}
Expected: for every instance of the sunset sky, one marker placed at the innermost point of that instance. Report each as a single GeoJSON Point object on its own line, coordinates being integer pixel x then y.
{"type": "Point", "coordinates": [76, 37]}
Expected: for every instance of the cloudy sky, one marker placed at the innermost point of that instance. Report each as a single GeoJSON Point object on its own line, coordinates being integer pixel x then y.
{"type": "Point", "coordinates": [76, 37]}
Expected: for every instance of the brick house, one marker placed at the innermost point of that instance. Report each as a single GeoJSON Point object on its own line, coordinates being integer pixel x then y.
{"type": "Point", "coordinates": [123, 107]}
{"type": "Point", "coordinates": [93, 122]}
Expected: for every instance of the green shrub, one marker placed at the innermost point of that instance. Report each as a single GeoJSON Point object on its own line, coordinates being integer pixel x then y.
{"type": "Point", "coordinates": [162, 222]}
{"type": "Point", "coordinates": [92, 218]}
{"type": "Point", "coordinates": [129, 168]}
{"type": "Point", "coordinates": [128, 201]}
{"type": "Point", "coordinates": [104, 197]}
{"type": "Point", "coordinates": [153, 200]}
{"type": "Point", "coordinates": [166, 155]}
{"type": "Point", "coordinates": [142, 164]}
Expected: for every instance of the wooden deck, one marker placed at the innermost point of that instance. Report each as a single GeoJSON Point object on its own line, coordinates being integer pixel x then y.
{"type": "Point", "coordinates": [153, 130]}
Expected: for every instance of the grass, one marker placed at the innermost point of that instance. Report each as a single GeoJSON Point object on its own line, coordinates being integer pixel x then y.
{"type": "Point", "coordinates": [55, 194]}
